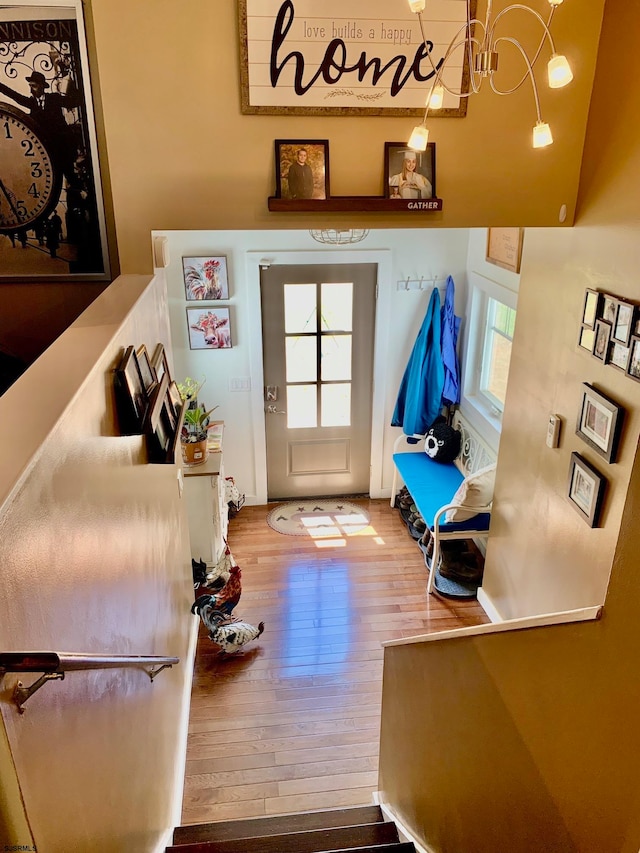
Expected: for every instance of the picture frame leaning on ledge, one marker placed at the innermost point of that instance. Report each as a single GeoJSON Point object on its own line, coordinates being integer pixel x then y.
{"type": "Point", "coordinates": [302, 168]}
{"type": "Point", "coordinates": [409, 174]}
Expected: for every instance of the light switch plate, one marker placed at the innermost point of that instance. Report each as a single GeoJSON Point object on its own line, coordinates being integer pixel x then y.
{"type": "Point", "coordinates": [553, 431]}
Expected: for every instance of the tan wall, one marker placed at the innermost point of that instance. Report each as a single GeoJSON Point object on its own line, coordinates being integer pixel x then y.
{"type": "Point", "coordinates": [34, 315]}
{"type": "Point", "coordinates": [529, 741]}
{"type": "Point", "coordinates": [525, 741]}
{"type": "Point", "coordinates": [542, 557]}
{"type": "Point", "coordinates": [94, 559]}
{"type": "Point", "coordinates": [182, 156]}
{"type": "Point", "coordinates": [522, 741]}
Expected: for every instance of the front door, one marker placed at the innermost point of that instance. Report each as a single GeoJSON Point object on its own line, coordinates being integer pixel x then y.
{"type": "Point", "coordinates": [318, 335]}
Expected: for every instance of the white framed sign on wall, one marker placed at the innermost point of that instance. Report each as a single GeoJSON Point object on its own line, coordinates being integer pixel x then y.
{"type": "Point", "coordinates": [346, 57]}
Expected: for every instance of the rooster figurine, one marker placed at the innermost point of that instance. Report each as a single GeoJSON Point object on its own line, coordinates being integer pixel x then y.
{"type": "Point", "coordinates": [200, 577]}
{"type": "Point", "coordinates": [229, 633]}
{"type": "Point", "coordinates": [223, 581]}
{"type": "Point", "coordinates": [226, 598]}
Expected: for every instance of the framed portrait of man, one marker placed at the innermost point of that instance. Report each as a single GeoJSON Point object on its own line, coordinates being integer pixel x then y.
{"type": "Point", "coordinates": [52, 220]}
{"type": "Point", "coordinates": [409, 174]}
{"type": "Point", "coordinates": [302, 168]}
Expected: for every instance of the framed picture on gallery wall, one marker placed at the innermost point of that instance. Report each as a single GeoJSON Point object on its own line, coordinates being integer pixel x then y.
{"type": "Point", "coordinates": [601, 341]}
{"type": "Point", "coordinates": [51, 203]}
{"type": "Point", "coordinates": [408, 173]}
{"type": "Point", "coordinates": [591, 307]}
{"type": "Point", "coordinates": [587, 338]}
{"type": "Point", "coordinates": [609, 308]}
{"type": "Point", "coordinates": [205, 278]}
{"type": "Point", "coordinates": [633, 366]}
{"type": "Point", "coordinates": [585, 489]}
{"type": "Point", "coordinates": [600, 422]}
{"type": "Point", "coordinates": [209, 328]}
{"type": "Point", "coordinates": [302, 168]}
{"type": "Point", "coordinates": [619, 356]}
{"type": "Point", "coordinates": [623, 325]}
{"type": "Point", "coordinates": [504, 247]}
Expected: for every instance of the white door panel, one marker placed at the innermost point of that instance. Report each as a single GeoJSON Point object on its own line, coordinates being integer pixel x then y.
{"type": "Point", "coordinates": [318, 333]}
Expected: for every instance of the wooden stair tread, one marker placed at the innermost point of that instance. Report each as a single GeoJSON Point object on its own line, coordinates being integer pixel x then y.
{"type": "Point", "coordinates": [357, 837]}
{"type": "Point", "coordinates": [276, 825]}
{"type": "Point", "coordinates": [397, 847]}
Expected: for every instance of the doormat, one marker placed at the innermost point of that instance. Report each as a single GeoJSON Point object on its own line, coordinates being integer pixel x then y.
{"type": "Point", "coordinates": [318, 519]}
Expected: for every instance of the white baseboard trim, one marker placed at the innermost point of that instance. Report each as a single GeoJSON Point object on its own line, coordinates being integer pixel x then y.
{"type": "Point", "coordinates": [488, 606]}
{"type": "Point", "coordinates": [404, 833]}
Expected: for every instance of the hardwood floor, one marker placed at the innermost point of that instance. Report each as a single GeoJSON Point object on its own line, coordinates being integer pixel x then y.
{"type": "Point", "coordinates": [291, 723]}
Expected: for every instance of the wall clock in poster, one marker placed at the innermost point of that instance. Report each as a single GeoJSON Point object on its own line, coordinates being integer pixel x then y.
{"type": "Point", "coordinates": [30, 179]}
{"type": "Point", "coordinates": [52, 223]}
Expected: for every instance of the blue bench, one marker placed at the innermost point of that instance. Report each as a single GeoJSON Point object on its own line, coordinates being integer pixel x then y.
{"type": "Point", "coordinates": [433, 485]}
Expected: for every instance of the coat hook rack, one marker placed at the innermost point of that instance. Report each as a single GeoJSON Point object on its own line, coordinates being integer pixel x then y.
{"type": "Point", "coordinates": [422, 283]}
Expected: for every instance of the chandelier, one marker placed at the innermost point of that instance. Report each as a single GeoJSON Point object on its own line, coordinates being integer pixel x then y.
{"type": "Point", "coordinates": [479, 42]}
{"type": "Point", "coordinates": [339, 237]}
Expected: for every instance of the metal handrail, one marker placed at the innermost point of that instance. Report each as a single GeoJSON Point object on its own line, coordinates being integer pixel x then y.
{"type": "Point", "coordinates": [53, 665]}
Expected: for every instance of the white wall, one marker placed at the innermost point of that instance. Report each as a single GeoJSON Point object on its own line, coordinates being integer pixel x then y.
{"type": "Point", "coordinates": [403, 254]}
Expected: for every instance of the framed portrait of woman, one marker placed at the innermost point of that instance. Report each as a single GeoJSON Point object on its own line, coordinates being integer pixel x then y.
{"type": "Point", "coordinates": [409, 174]}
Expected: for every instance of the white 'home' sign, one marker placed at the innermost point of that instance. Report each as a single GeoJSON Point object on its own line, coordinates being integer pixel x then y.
{"type": "Point", "coordinates": [298, 56]}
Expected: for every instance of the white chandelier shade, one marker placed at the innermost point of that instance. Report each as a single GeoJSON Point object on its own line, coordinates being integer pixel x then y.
{"type": "Point", "coordinates": [481, 43]}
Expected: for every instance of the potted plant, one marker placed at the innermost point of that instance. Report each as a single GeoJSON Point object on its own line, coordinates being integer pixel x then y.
{"type": "Point", "coordinates": [193, 437]}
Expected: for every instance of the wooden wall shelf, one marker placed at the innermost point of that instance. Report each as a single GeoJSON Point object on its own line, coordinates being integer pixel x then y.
{"type": "Point", "coordinates": [356, 203]}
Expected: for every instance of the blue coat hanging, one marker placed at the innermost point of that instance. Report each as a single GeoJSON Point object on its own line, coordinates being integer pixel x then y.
{"type": "Point", "coordinates": [450, 329]}
{"type": "Point", "coordinates": [420, 396]}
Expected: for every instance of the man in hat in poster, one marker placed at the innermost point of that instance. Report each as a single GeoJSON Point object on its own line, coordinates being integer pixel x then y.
{"type": "Point", "coordinates": [409, 183]}
{"type": "Point", "coordinates": [47, 109]}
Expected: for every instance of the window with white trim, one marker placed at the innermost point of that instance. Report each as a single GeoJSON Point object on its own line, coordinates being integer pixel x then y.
{"type": "Point", "coordinates": [492, 320]}
{"type": "Point", "coordinates": [500, 322]}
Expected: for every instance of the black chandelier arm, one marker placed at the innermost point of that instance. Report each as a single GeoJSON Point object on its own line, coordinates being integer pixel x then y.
{"type": "Point", "coordinates": [529, 74]}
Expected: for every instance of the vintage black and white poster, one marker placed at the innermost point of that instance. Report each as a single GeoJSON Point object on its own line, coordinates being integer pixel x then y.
{"type": "Point", "coordinates": [346, 57]}
{"type": "Point", "coordinates": [52, 223]}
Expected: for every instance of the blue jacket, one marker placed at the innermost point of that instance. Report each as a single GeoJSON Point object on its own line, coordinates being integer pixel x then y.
{"type": "Point", "coordinates": [449, 340]}
{"type": "Point", "coordinates": [420, 395]}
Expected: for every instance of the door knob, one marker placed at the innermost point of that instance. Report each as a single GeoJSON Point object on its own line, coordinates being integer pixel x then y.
{"type": "Point", "coordinates": [271, 410]}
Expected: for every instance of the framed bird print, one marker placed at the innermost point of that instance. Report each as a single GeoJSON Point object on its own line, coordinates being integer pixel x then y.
{"type": "Point", "coordinates": [205, 278]}
{"type": "Point", "coordinates": [52, 221]}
